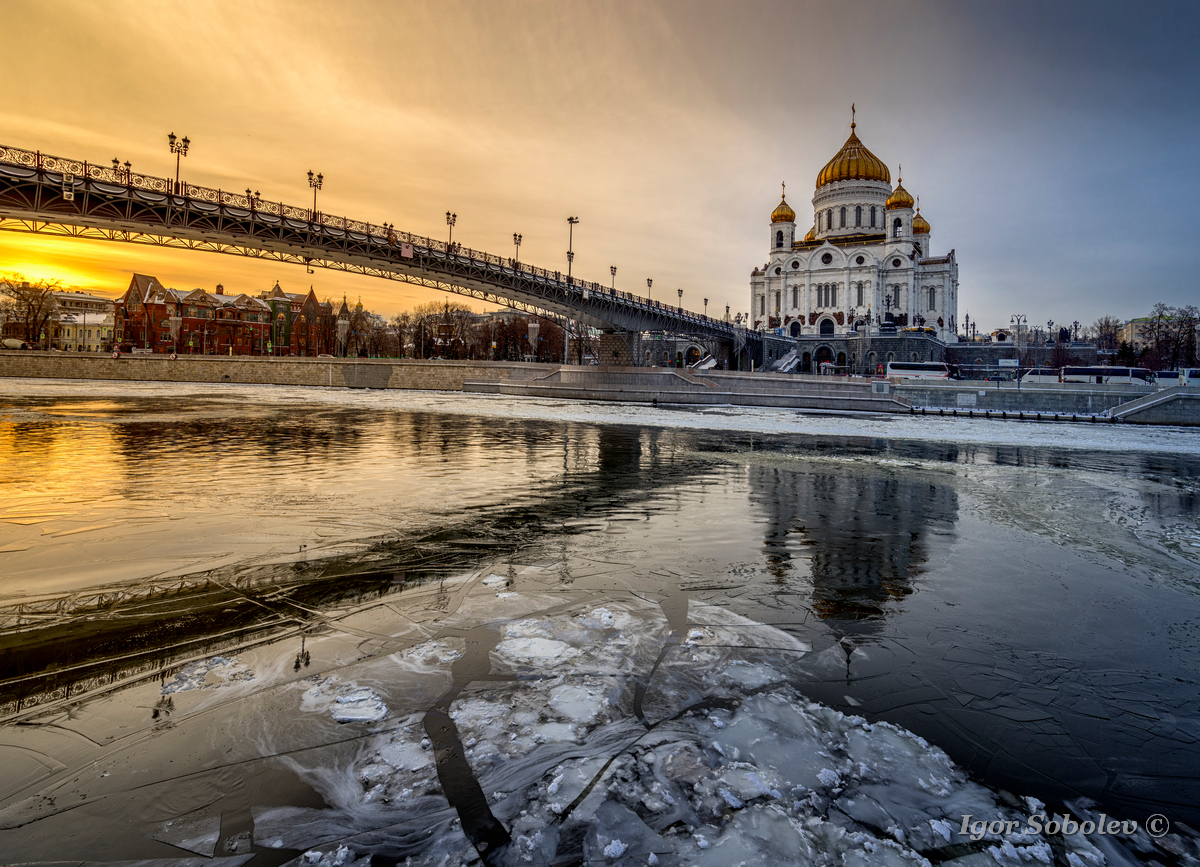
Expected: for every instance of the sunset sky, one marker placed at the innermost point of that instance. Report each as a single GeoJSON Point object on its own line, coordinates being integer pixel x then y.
{"type": "Point", "coordinates": [1053, 145]}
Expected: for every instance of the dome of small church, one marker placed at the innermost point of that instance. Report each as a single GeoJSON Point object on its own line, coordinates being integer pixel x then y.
{"type": "Point", "coordinates": [920, 224]}
{"type": "Point", "coordinates": [854, 162]}
{"type": "Point", "coordinates": [900, 197]}
{"type": "Point", "coordinates": [783, 212]}
{"type": "Point", "coordinates": [812, 234]}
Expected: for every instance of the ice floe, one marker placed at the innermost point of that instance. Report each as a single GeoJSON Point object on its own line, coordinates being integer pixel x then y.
{"type": "Point", "coordinates": [715, 759]}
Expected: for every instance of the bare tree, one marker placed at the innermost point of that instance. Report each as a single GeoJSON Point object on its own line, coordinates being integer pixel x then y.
{"type": "Point", "coordinates": [28, 306]}
{"type": "Point", "coordinates": [1105, 331]}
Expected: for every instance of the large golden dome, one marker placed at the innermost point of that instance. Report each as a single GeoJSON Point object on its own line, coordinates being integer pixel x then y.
{"type": "Point", "coordinates": [854, 162]}
{"type": "Point", "coordinates": [920, 224]}
{"type": "Point", "coordinates": [783, 212]}
{"type": "Point", "coordinates": [812, 234]}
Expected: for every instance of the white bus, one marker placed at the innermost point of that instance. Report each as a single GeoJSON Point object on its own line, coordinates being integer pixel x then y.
{"type": "Point", "coordinates": [918, 370]}
{"type": "Point", "coordinates": [1041, 374]}
{"type": "Point", "coordinates": [1189, 376]}
{"type": "Point", "coordinates": [1107, 375]}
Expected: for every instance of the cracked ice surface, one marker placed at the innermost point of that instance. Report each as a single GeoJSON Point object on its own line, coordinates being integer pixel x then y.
{"type": "Point", "coordinates": [732, 767]}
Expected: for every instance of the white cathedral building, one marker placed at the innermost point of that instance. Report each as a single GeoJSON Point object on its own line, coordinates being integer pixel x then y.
{"type": "Point", "coordinates": [867, 263]}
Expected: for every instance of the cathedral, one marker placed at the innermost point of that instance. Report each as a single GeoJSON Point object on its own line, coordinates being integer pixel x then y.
{"type": "Point", "coordinates": [865, 268]}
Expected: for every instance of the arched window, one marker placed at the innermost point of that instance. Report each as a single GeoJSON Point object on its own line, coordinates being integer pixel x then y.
{"type": "Point", "coordinates": [833, 295]}
{"type": "Point", "coordinates": [829, 218]}
{"type": "Point", "coordinates": [827, 326]}
{"type": "Point", "coordinates": [860, 294]}
{"type": "Point", "coordinates": [795, 296]}
{"type": "Point", "coordinates": [933, 299]}
{"type": "Point", "coordinates": [779, 238]}
{"type": "Point", "coordinates": [872, 216]}
{"type": "Point", "coordinates": [896, 224]}
{"type": "Point", "coordinates": [842, 217]}
{"type": "Point", "coordinates": [857, 216]}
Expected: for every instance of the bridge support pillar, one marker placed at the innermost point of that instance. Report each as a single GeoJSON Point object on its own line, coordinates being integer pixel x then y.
{"type": "Point", "coordinates": [614, 349]}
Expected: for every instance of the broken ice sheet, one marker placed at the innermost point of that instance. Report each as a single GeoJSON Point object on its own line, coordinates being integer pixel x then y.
{"type": "Point", "coordinates": [735, 766]}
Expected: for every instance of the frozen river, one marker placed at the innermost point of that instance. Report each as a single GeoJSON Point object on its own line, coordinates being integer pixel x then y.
{"type": "Point", "coordinates": [259, 621]}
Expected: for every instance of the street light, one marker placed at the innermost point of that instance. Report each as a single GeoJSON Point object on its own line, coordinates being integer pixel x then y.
{"type": "Point", "coordinates": [180, 149]}
{"type": "Point", "coordinates": [252, 198]}
{"type": "Point", "coordinates": [1050, 330]}
{"type": "Point", "coordinates": [571, 223]}
{"type": "Point", "coordinates": [315, 181]}
{"type": "Point", "coordinates": [516, 247]}
{"type": "Point", "coordinates": [649, 283]}
{"type": "Point", "coordinates": [705, 308]}
{"type": "Point", "coordinates": [612, 269]}
{"type": "Point", "coordinates": [451, 219]}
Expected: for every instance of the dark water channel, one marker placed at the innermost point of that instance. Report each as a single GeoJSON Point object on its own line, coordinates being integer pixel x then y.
{"type": "Point", "coordinates": [1032, 610]}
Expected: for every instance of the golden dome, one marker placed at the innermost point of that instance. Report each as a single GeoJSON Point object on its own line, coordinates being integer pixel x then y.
{"type": "Point", "coordinates": [900, 197]}
{"type": "Point", "coordinates": [783, 213]}
{"type": "Point", "coordinates": [812, 234]}
{"type": "Point", "coordinates": [920, 224]}
{"type": "Point", "coordinates": [854, 162]}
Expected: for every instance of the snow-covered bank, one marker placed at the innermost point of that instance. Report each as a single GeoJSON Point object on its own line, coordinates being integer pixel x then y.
{"type": "Point", "coordinates": [746, 419]}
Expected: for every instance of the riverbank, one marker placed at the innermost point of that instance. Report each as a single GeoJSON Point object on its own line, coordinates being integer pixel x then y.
{"type": "Point", "coordinates": [653, 386]}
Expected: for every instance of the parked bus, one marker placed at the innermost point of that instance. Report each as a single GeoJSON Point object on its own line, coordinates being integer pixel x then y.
{"type": "Point", "coordinates": [1107, 375]}
{"type": "Point", "coordinates": [1189, 376]}
{"type": "Point", "coordinates": [1041, 374]}
{"type": "Point", "coordinates": [918, 370]}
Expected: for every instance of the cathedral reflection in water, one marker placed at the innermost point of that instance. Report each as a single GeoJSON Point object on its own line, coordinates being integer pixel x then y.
{"type": "Point", "coordinates": [862, 536]}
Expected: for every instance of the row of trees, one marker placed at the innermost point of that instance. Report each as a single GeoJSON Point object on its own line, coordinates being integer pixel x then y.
{"type": "Point", "coordinates": [1166, 340]}
{"type": "Point", "coordinates": [450, 329]}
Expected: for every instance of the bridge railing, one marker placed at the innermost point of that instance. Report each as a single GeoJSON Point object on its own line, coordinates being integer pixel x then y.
{"type": "Point", "coordinates": [384, 234]}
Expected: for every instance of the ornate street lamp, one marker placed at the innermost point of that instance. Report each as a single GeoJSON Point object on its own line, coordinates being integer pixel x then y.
{"type": "Point", "coordinates": [705, 308]}
{"type": "Point", "coordinates": [516, 247]}
{"type": "Point", "coordinates": [451, 219]}
{"type": "Point", "coordinates": [649, 283]}
{"type": "Point", "coordinates": [252, 198]}
{"type": "Point", "coordinates": [612, 269]}
{"type": "Point", "coordinates": [180, 149]}
{"type": "Point", "coordinates": [315, 181]}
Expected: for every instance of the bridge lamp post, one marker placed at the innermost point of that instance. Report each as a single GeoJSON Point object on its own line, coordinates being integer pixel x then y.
{"type": "Point", "coordinates": [252, 198]}
{"type": "Point", "coordinates": [705, 308]}
{"type": "Point", "coordinates": [612, 269]}
{"type": "Point", "coordinates": [517, 247]}
{"type": "Point", "coordinates": [649, 283]}
{"type": "Point", "coordinates": [315, 181]}
{"type": "Point", "coordinates": [451, 219]}
{"type": "Point", "coordinates": [180, 149]}
{"type": "Point", "coordinates": [571, 223]}
{"type": "Point", "coordinates": [677, 359]}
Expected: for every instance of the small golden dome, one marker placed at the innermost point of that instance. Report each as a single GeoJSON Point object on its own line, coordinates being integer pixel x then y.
{"type": "Point", "coordinates": [854, 162]}
{"type": "Point", "coordinates": [783, 213]}
{"type": "Point", "coordinates": [812, 234]}
{"type": "Point", "coordinates": [900, 197]}
{"type": "Point", "coordinates": [920, 224]}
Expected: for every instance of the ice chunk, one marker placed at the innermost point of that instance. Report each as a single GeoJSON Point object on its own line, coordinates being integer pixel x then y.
{"type": "Point", "coordinates": [576, 703]}
{"type": "Point", "coordinates": [208, 674]}
{"type": "Point", "coordinates": [495, 581]}
{"type": "Point", "coordinates": [535, 651]}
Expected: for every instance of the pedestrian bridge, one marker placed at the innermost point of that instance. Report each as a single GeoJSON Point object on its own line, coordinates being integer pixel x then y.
{"type": "Point", "coordinates": [51, 195]}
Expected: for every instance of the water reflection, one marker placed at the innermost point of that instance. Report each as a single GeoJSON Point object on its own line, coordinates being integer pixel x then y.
{"type": "Point", "coordinates": [864, 536]}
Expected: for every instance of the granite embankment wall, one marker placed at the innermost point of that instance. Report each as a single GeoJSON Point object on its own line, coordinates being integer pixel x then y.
{"type": "Point", "coordinates": [328, 372]}
{"type": "Point", "coordinates": [1082, 399]}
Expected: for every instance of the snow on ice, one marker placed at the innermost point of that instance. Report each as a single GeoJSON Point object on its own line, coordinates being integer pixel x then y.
{"type": "Point", "coordinates": [717, 761]}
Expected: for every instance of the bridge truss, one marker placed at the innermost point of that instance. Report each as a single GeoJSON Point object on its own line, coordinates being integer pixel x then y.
{"type": "Point", "coordinates": [48, 195]}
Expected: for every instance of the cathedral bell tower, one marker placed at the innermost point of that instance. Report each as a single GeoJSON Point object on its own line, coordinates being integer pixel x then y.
{"type": "Point", "coordinates": [783, 226]}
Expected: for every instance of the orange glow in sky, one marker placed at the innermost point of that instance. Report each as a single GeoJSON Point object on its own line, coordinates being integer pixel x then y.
{"type": "Point", "coordinates": [666, 127]}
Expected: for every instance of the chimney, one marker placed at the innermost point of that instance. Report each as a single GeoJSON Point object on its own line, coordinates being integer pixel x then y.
{"type": "Point", "coordinates": [220, 289]}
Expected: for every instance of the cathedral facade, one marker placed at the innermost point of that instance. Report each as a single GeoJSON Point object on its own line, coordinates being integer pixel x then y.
{"type": "Point", "coordinates": [866, 267]}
